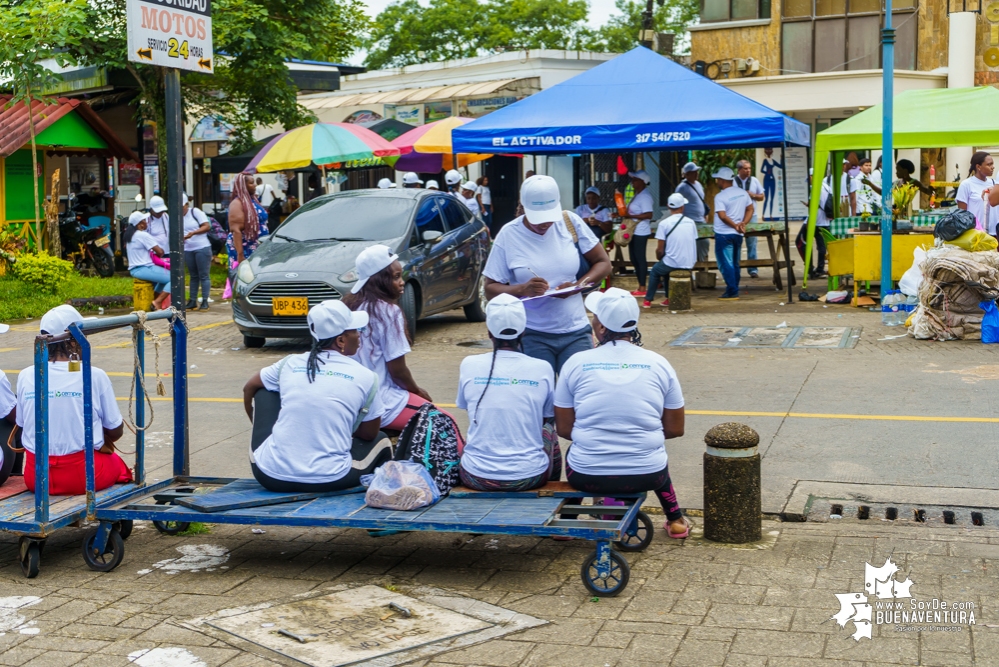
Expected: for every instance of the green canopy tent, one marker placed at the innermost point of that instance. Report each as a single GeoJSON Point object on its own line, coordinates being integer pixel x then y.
{"type": "Point", "coordinates": [939, 118]}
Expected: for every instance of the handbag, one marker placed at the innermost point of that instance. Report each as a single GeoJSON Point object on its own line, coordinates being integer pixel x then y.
{"type": "Point", "coordinates": [625, 232]}
{"type": "Point", "coordinates": [584, 264]}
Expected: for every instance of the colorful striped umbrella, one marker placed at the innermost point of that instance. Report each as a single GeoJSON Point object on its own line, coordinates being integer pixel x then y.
{"type": "Point", "coordinates": [428, 148]}
{"type": "Point", "coordinates": [320, 144]}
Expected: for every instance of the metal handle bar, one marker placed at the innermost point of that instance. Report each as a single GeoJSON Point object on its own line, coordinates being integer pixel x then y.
{"type": "Point", "coordinates": [107, 324]}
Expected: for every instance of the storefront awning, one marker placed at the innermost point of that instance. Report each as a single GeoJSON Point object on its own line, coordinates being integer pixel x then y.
{"type": "Point", "coordinates": [61, 125]}
{"type": "Point", "coordinates": [413, 95]}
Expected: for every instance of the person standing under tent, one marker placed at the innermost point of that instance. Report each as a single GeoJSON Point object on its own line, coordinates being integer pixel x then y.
{"type": "Point", "coordinates": [159, 222]}
{"type": "Point", "coordinates": [972, 190]}
{"type": "Point", "coordinates": [67, 458]}
{"type": "Point", "coordinates": [197, 254]}
{"type": "Point", "coordinates": [508, 396]}
{"type": "Point", "coordinates": [616, 450]}
{"type": "Point", "coordinates": [484, 197]}
{"type": "Point", "coordinates": [848, 187]}
{"type": "Point", "coordinates": [904, 169]}
{"type": "Point", "coordinates": [821, 220]}
{"type": "Point", "coordinates": [265, 193]}
{"type": "Point", "coordinates": [640, 208]}
{"type": "Point", "coordinates": [537, 252]}
{"type": "Point", "coordinates": [746, 181]}
{"type": "Point", "coordinates": [868, 201]}
{"type": "Point", "coordinates": [467, 197]}
{"type": "Point", "coordinates": [733, 210]}
{"type": "Point", "coordinates": [676, 250]}
{"type": "Point", "coordinates": [696, 208]}
{"type": "Point", "coordinates": [596, 216]}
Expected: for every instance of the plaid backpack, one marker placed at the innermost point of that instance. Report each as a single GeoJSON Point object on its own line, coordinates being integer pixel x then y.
{"type": "Point", "coordinates": [431, 438]}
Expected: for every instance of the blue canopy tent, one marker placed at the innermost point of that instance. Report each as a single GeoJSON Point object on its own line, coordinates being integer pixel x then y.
{"type": "Point", "coordinates": [637, 102]}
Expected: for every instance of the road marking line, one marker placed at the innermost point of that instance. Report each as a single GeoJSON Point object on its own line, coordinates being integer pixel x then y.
{"type": "Point", "coordinates": [122, 374]}
{"type": "Point", "coordinates": [9, 349]}
{"type": "Point", "coordinates": [210, 326]}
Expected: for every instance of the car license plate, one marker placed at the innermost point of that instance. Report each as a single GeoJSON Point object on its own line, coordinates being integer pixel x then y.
{"type": "Point", "coordinates": [290, 305]}
{"type": "Point", "coordinates": [101, 242]}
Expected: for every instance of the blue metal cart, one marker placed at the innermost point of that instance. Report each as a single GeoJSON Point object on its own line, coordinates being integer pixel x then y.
{"type": "Point", "coordinates": [551, 511]}
{"type": "Point", "coordinates": [36, 515]}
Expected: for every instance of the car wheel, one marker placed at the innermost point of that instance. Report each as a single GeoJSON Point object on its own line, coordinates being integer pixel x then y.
{"type": "Point", "coordinates": [253, 341]}
{"type": "Point", "coordinates": [408, 305]}
{"type": "Point", "coordinates": [476, 311]}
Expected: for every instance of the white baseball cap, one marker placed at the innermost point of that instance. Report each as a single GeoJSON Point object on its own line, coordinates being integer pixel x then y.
{"type": "Point", "coordinates": [689, 167]}
{"type": "Point", "coordinates": [540, 198]}
{"type": "Point", "coordinates": [4, 328]}
{"type": "Point", "coordinates": [157, 205]}
{"type": "Point", "coordinates": [469, 185]}
{"type": "Point", "coordinates": [385, 184]}
{"type": "Point", "coordinates": [433, 184]}
{"type": "Point", "coordinates": [331, 318]}
{"type": "Point", "coordinates": [58, 319]}
{"type": "Point", "coordinates": [506, 317]}
{"type": "Point", "coordinates": [410, 178]}
{"type": "Point", "coordinates": [641, 174]}
{"type": "Point", "coordinates": [616, 309]}
{"type": "Point", "coordinates": [724, 173]}
{"type": "Point", "coordinates": [371, 260]}
{"type": "Point", "coordinates": [136, 217]}
{"type": "Point", "coordinates": [676, 200]}
{"type": "Point", "coordinates": [184, 200]}
{"type": "Point", "coordinates": [452, 177]}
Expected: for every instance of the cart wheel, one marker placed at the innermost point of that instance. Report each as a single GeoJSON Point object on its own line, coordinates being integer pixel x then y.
{"type": "Point", "coordinates": [614, 583]}
{"type": "Point", "coordinates": [638, 537]}
{"type": "Point", "coordinates": [170, 527]}
{"type": "Point", "coordinates": [30, 555]}
{"type": "Point", "coordinates": [114, 551]}
{"type": "Point", "coordinates": [124, 527]}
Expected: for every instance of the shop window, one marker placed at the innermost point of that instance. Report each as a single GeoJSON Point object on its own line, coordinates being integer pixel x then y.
{"type": "Point", "coordinates": [840, 35]}
{"type": "Point", "coordinates": [734, 10]}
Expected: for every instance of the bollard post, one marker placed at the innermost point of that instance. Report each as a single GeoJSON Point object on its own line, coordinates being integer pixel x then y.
{"type": "Point", "coordinates": [678, 290]}
{"type": "Point", "coordinates": [732, 504]}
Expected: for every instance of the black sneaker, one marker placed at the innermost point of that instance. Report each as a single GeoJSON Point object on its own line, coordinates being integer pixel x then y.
{"type": "Point", "coordinates": [192, 304]}
{"type": "Point", "coordinates": [204, 305]}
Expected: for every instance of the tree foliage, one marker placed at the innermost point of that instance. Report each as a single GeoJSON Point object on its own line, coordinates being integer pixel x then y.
{"type": "Point", "coordinates": [407, 33]}
{"type": "Point", "coordinates": [620, 33]}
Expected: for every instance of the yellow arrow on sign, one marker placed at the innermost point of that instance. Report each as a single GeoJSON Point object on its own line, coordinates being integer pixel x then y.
{"type": "Point", "coordinates": [205, 63]}
{"type": "Point", "coordinates": [146, 54]}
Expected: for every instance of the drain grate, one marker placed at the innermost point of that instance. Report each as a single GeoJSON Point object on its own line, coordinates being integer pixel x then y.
{"type": "Point", "coordinates": [776, 337]}
{"type": "Point", "coordinates": [824, 510]}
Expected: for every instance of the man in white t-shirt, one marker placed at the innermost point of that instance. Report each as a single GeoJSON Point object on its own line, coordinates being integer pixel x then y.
{"type": "Point", "coordinates": [821, 220]}
{"type": "Point", "coordinates": [640, 208]}
{"type": "Point", "coordinates": [745, 180]}
{"type": "Point", "coordinates": [868, 201]}
{"type": "Point", "coordinates": [326, 431]}
{"type": "Point", "coordinates": [467, 197]}
{"type": "Point", "coordinates": [508, 395]}
{"type": "Point", "coordinates": [677, 247]}
{"type": "Point", "coordinates": [265, 193]}
{"type": "Point", "coordinates": [733, 209]}
{"type": "Point", "coordinates": [848, 187]}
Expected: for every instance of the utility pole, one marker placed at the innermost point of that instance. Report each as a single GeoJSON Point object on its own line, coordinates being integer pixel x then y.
{"type": "Point", "coordinates": [887, 154]}
{"type": "Point", "coordinates": [647, 35]}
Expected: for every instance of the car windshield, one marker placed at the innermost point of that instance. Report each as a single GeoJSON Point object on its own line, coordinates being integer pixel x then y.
{"type": "Point", "coordinates": [348, 219]}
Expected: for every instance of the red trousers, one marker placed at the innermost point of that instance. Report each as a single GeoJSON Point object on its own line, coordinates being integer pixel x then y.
{"type": "Point", "coordinates": [68, 474]}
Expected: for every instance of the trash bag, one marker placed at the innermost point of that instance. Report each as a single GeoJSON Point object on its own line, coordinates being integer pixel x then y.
{"type": "Point", "coordinates": [975, 240]}
{"type": "Point", "coordinates": [954, 224]}
{"type": "Point", "coordinates": [990, 322]}
{"type": "Point", "coordinates": [400, 485]}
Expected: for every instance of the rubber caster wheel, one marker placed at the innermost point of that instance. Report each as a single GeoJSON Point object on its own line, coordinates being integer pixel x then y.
{"type": "Point", "coordinates": [170, 527]}
{"type": "Point", "coordinates": [30, 554]}
{"type": "Point", "coordinates": [124, 527]}
{"type": "Point", "coordinates": [114, 551]}
{"type": "Point", "coordinates": [615, 582]}
{"type": "Point", "coordinates": [639, 534]}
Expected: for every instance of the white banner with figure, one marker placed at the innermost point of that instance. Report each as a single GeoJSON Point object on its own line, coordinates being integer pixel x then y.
{"type": "Point", "coordinates": [774, 169]}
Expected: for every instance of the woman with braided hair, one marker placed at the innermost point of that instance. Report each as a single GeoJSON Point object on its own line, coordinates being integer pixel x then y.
{"type": "Point", "coordinates": [316, 415]}
{"type": "Point", "coordinates": [247, 221]}
{"type": "Point", "coordinates": [508, 395]}
{"type": "Point", "coordinates": [617, 449]}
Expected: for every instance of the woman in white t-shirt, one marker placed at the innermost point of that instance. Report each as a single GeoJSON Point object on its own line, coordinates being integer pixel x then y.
{"type": "Point", "coordinates": [485, 198]}
{"type": "Point", "coordinates": [197, 254]}
{"type": "Point", "coordinates": [508, 396]}
{"type": "Point", "coordinates": [640, 208]}
{"type": "Point", "coordinates": [617, 448]}
{"type": "Point", "coordinates": [67, 457]}
{"type": "Point", "coordinates": [8, 417]}
{"type": "Point", "coordinates": [973, 191]}
{"type": "Point", "coordinates": [596, 216]}
{"type": "Point", "coordinates": [324, 434]}
{"type": "Point", "coordinates": [385, 341]}
{"type": "Point", "coordinates": [537, 252]}
{"type": "Point", "coordinates": [139, 243]}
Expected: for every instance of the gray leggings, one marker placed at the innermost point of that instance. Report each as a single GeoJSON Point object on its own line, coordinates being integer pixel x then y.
{"type": "Point", "coordinates": [198, 263]}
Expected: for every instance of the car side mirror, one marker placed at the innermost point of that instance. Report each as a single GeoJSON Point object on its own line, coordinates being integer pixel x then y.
{"type": "Point", "coordinates": [432, 235]}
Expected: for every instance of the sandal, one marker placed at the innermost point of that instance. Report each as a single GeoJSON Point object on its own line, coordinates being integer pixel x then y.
{"type": "Point", "coordinates": [678, 536]}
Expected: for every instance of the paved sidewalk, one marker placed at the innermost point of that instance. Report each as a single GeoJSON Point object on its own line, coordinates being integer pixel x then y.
{"type": "Point", "coordinates": [693, 603]}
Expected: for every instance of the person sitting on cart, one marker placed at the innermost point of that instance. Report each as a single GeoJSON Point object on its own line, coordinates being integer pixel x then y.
{"type": "Point", "coordinates": [312, 432]}
{"type": "Point", "coordinates": [67, 458]}
{"type": "Point", "coordinates": [8, 417]}
{"type": "Point", "coordinates": [618, 403]}
{"type": "Point", "coordinates": [508, 396]}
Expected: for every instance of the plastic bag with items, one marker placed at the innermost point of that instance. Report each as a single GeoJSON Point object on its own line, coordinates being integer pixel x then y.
{"type": "Point", "coordinates": [975, 240]}
{"type": "Point", "coordinates": [952, 225]}
{"type": "Point", "coordinates": [400, 485]}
